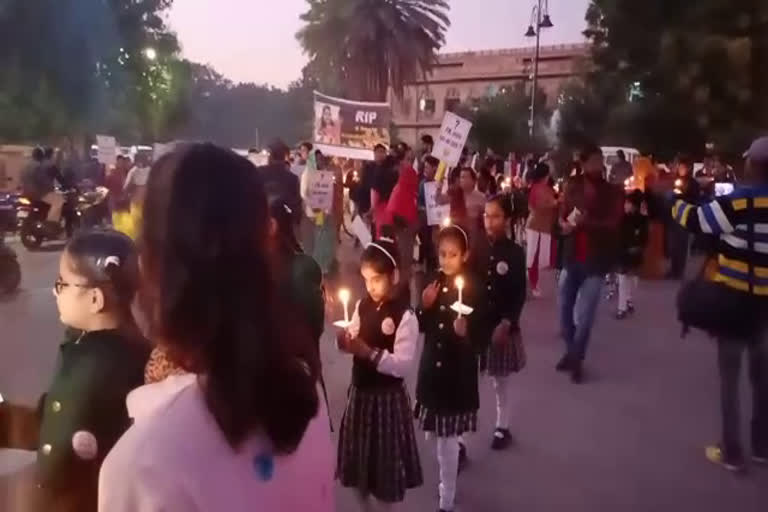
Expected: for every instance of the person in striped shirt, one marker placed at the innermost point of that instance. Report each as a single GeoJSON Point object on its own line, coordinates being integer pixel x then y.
{"type": "Point", "coordinates": [728, 218]}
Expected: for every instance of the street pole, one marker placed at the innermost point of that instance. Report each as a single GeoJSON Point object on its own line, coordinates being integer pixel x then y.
{"type": "Point", "coordinates": [531, 122]}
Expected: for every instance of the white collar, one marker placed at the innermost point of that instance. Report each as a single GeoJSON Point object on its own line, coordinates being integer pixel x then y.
{"type": "Point", "coordinates": [146, 400]}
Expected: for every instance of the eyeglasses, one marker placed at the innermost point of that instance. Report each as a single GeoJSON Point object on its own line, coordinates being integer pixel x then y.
{"type": "Point", "coordinates": [60, 284]}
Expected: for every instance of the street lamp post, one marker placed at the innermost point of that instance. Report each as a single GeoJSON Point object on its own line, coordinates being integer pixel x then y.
{"type": "Point", "coordinates": [539, 19]}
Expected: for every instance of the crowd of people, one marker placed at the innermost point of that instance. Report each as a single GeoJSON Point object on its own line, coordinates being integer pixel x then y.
{"type": "Point", "coordinates": [190, 376]}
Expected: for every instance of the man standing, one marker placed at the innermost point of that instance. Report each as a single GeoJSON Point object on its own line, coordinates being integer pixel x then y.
{"type": "Point", "coordinates": [279, 181]}
{"type": "Point", "coordinates": [590, 219]}
{"type": "Point", "coordinates": [403, 211]}
{"type": "Point", "coordinates": [621, 170]}
{"type": "Point", "coordinates": [678, 239]}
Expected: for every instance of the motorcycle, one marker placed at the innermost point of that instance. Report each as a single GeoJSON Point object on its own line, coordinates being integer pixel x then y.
{"type": "Point", "coordinates": [8, 204]}
{"type": "Point", "coordinates": [81, 210]}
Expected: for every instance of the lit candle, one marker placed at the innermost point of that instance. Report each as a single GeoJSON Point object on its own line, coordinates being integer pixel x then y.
{"type": "Point", "coordinates": [344, 297]}
{"type": "Point", "coordinates": [446, 222]}
{"type": "Point", "coordinates": [460, 286]}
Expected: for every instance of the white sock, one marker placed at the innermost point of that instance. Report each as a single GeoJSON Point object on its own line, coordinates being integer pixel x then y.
{"type": "Point", "coordinates": [448, 461]}
{"type": "Point", "coordinates": [501, 386]}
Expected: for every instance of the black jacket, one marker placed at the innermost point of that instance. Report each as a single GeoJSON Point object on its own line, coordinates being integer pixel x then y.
{"type": "Point", "coordinates": [280, 182]}
{"type": "Point", "coordinates": [448, 368]}
{"type": "Point", "coordinates": [505, 284]}
{"type": "Point", "coordinates": [634, 237]}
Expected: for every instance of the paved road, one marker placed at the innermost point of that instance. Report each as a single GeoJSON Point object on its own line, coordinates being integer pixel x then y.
{"type": "Point", "coordinates": [629, 440]}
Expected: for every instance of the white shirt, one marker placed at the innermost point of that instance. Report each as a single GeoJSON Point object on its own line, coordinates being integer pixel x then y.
{"type": "Point", "coordinates": [397, 363]}
{"type": "Point", "coordinates": [175, 459]}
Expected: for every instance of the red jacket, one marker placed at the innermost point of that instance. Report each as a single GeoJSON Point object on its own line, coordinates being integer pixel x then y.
{"type": "Point", "coordinates": [402, 202]}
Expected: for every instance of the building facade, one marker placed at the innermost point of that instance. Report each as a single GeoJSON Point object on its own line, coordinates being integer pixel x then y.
{"type": "Point", "coordinates": [459, 77]}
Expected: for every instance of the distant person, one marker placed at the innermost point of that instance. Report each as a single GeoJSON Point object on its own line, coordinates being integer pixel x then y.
{"type": "Point", "coordinates": [678, 239]}
{"type": "Point", "coordinates": [247, 422]}
{"type": "Point", "coordinates": [403, 212]}
{"type": "Point", "coordinates": [367, 180]}
{"type": "Point", "coordinates": [39, 184]}
{"type": "Point", "coordinates": [621, 170]}
{"type": "Point", "coordinates": [278, 179]}
{"type": "Point", "coordinates": [542, 206]}
{"type": "Point", "coordinates": [634, 238]}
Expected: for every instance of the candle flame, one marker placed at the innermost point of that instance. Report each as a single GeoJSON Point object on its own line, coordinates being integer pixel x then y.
{"type": "Point", "coordinates": [459, 282]}
{"type": "Point", "coordinates": [344, 295]}
{"type": "Point", "coordinates": [446, 222]}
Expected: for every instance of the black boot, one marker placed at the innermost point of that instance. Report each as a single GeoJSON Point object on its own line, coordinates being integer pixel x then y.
{"type": "Point", "coordinates": [502, 438]}
{"type": "Point", "coordinates": [565, 364]}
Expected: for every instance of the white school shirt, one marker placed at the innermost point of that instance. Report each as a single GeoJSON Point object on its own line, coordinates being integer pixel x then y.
{"type": "Point", "coordinates": [175, 459]}
{"type": "Point", "coordinates": [397, 363]}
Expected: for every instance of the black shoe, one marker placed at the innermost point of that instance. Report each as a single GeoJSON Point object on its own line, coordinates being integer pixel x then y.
{"type": "Point", "coordinates": [502, 438]}
{"type": "Point", "coordinates": [564, 365]}
{"type": "Point", "coordinates": [630, 307]}
{"type": "Point", "coordinates": [621, 315]}
{"type": "Point", "coordinates": [463, 459]}
{"type": "Point", "coordinates": [577, 373]}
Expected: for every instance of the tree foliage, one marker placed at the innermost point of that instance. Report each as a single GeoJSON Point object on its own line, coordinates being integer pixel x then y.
{"type": "Point", "coordinates": [696, 70]}
{"type": "Point", "coordinates": [361, 48]}
{"type": "Point", "coordinates": [78, 66]}
{"type": "Point", "coordinates": [500, 122]}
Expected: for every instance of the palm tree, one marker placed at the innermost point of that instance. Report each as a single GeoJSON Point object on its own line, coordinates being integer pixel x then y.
{"type": "Point", "coordinates": [368, 46]}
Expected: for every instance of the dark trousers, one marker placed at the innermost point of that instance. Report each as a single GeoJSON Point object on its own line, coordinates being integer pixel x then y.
{"type": "Point", "coordinates": [678, 241]}
{"type": "Point", "coordinates": [730, 354]}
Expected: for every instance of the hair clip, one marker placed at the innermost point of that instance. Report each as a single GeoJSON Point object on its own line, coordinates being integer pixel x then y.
{"type": "Point", "coordinates": [287, 209]}
{"type": "Point", "coordinates": [386, 239]}
{"type": "Point", "coordinates": [107, 261]}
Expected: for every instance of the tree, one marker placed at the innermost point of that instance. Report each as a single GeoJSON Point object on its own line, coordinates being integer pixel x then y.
{"type": "Point", "coordinates": [74, 67]}
{"type": "Point", "coordinates": [367, 46]}
{"type": "Point", "coordinates": [696, 70]}
{"type": "Point", "coordinates": [500, 122]}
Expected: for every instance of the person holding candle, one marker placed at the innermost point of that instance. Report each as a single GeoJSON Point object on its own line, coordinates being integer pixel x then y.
{"type": "Point", "coordinates": [504, 268]}
{"type": "Point", "coordinates": [447, 397]}
{"type": "Point", "coordinates": [377, 451]}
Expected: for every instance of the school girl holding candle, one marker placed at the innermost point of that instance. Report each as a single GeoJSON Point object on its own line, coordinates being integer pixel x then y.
{"type": "Point", "coordinates": [447, 391]}
{"type": "Point", "coordinates": [377, 451]}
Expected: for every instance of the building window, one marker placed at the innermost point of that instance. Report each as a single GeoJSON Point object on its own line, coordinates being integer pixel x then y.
{"type": "Point", "coordinates": [452, 99]}
{"type": "Point", "coordinates": [427, 106]}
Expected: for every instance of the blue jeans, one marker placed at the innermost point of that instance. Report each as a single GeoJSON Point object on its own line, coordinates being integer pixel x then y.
{"type": "Point", "coordinates": [579, 298]}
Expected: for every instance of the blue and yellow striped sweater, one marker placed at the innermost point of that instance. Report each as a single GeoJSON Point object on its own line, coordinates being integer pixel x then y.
{"type": "Point", "coordinates": [728, 217]}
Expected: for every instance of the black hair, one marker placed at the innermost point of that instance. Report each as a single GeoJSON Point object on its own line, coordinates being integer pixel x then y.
{"type": "Point", "coordinates": [38, 155]}
{"type": "Point", "coordinates": [505, 203]}
{"type": "Point", "coordinates": [382, 255]}
{"type": "Point", "coordinates": [278, 150]}
{"type": "Point", "coordinates": [210, 296]}
{"type": "Point", "coordinates": [621, 155]}
{"type": "Point", "coordinates": [378, 147]}
{"type": "Point", "coordinates": [434, 162]}
{"type": "Point", "coordinates": [588, 150]}
{"type": "Point", "coordinates": [540, 172]}
{"type": "Point", "coordinates": [307, 145]}
{"type": "Point", "coordinates": [284, 217]}
{"type": "Point", "coordinates": [109, 261]}
{"type": "Point", "coordinates": [427, 139]}
{"type": "Point", "coordinates": [456, 233]}
{"type": "Point", "coordinates": [48, 152]}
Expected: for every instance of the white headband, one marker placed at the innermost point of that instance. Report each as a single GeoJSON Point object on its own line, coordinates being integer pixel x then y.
{"type": "Point", "coordinates": [382, 249]}
{"type": "Point", "coordinates": [464, 233]}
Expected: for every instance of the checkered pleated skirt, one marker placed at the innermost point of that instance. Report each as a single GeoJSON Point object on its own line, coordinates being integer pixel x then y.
{"type": "Point", "coordinates": [377, 445]}
{"type": "Point", "coordinates": [445, 425]}
{"type": "Point", "coordinates": [503, 360]}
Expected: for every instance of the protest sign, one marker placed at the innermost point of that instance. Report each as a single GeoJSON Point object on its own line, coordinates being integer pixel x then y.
{"type": "Point", "coordinates": [350, 129]}
{"type": "Point", "coordinates": [321, 190]}
{"type": "Point", "coordinates": [436, 213]}
{"type": "Point", "coordinates": [106, 152]}
{"type": "Point", "coordinates": [361, 231]}
{"type": "Point", "coordinates": [451, 139]}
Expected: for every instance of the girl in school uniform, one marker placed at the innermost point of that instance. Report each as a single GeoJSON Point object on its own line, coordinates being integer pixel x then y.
{"type": "Point", "coordinates": [446, 394]}
{"type": "Point", "coordinates": [377, 451]}
{"type": "Point", "coordinates": [504, 272]}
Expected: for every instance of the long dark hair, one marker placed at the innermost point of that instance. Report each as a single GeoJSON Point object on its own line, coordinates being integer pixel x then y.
{"type": "Point", "coordinates": [210, 297]}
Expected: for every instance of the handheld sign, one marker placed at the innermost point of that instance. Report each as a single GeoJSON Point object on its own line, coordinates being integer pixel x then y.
{"type": "Point", "coordinates": [321, 191]}
{"type": "Point", "coordinates": [106, 149]}
{"type": "Point", "coordinates": [436, 213]}
{"type": "Point", "coordinates": [451, 139]}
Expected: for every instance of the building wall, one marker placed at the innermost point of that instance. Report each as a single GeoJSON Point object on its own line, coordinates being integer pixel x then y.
{"type": "Point", "coordinates": [459, 77]}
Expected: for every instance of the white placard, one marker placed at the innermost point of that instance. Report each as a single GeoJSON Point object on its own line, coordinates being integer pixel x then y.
{"type": "Point", "coordinates": [107, 149]}
{"type": "Point", "coordinates": [451, 139]}
{"type": "Point", "coordinates": [361, 231]}
{"type": "Point", "coordinates": [436, 213]}
{"type": "Point", "coordinates": [321, 191]}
